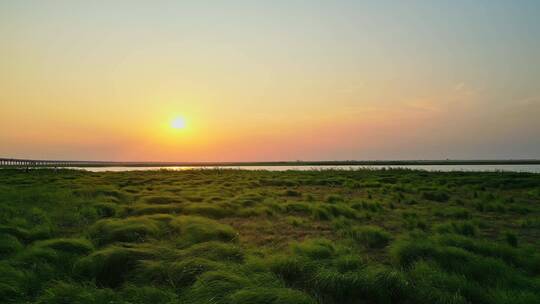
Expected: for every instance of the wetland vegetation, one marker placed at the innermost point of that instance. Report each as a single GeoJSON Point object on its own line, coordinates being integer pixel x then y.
{"type": "Point", "coordinates": [236, 236]}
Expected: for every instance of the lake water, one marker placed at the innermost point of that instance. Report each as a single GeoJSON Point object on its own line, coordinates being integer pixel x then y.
{"type": "Point", "coordinates": [442, 168]}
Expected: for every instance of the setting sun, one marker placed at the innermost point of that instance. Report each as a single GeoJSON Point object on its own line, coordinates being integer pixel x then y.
{"type": "Point", "coordinates": [178, 123]}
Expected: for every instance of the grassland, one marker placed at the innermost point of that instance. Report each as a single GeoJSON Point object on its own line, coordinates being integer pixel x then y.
{"type": "Point", "coordinates": [233, 236]}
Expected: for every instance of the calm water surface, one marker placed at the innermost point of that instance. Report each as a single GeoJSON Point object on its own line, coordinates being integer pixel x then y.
{"type": "Point", "coordinates": [442, 168]}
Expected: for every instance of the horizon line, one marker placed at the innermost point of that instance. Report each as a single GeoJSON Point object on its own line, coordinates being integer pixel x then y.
{"type": "Point", "coordinates": [282, 163]}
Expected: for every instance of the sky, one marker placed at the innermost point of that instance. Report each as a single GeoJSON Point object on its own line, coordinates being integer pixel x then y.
{"type": "Point", "coordinates": [269, 80]}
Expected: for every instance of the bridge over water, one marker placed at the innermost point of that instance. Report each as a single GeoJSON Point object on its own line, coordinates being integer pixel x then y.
{"type": "Point", "coordinates": [26, 163]}
{"type": "Point", "coordinates": [22, 163]}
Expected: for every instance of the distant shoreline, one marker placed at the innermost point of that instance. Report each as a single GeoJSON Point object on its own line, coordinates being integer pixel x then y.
{"type": "Point", "coordinates": [62, 163]}
{"type": "Point", "coordinates": [321, 163]}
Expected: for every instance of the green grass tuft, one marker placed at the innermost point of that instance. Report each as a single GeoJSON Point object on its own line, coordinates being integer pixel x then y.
{"type": "Point", "coordinates": [315, 249]}
{"type": "Point", "coordinates": [12, 281]}
{"type": "Point", "coordinates": [466, 228]}
{"type": "Point", "coordinates": [370, 236]}
{"type": "Point", "coordinates": [214, 250]}
{"type": "Point", "coordinates": [215, 211]}
{"type": "Point", "coordinates": [270, 296]}
{"type": "Point", "coordinates": [64, 293]}
{"type": "Point", "coordinates": [149, 209]}
{"type": "Point", "coordinates": [9, 245]}
{"type": "Point", "coordinates": [74, 246]}
{"type": "Point", "coordinates": [176, 274]}
{"type": "Point", "coordinates": [511, 239]}
{"type": "Point", "coordinates": [437, 196]}
{"type": "Point", "coordinates": [195, 229]}
{"type": "Point", "coordinates": [215, 287]}
{"type": "Point", "coordinates": [124, 230]}
{"type": "Point", "coordinates": [132, 294]}
{"type": "Point", "coordinates": [110, 266]}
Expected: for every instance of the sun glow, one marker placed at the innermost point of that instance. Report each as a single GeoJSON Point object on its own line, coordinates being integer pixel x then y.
{"type": "Point", "coordinates": [178, 123]}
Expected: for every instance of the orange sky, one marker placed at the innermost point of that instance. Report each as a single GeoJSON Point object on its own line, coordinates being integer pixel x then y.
{"type": "Point", "coordinates": [269, 80]}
